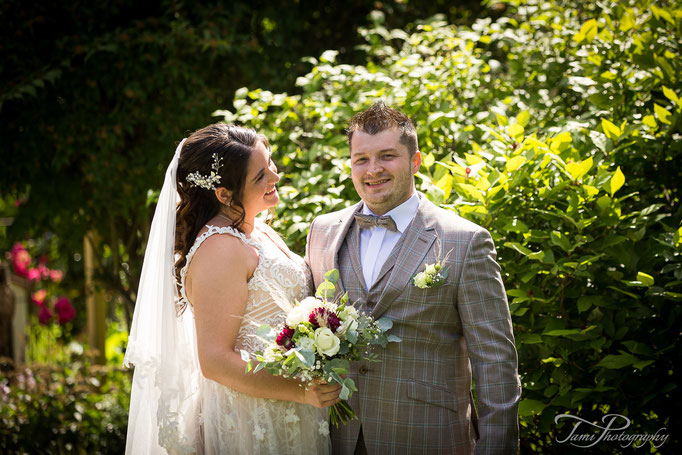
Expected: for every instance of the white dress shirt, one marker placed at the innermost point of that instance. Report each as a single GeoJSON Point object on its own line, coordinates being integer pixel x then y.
{"type": "Point", "coordinates": [377, 243]}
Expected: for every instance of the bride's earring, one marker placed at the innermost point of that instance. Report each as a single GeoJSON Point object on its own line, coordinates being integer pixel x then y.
{"type": "Point", "coordinates": [229, 203]}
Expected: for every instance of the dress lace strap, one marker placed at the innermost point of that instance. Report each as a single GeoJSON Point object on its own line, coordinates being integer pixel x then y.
{"type": "Point", "coordinates": [212, 230]}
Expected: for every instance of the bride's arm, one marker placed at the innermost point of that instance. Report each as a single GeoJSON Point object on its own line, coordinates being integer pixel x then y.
{"type": "Point", "coordinates": [218, 275]}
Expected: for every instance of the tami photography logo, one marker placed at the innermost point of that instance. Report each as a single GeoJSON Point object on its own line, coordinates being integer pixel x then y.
{"type": "Point", "coordinates": [612, 429]}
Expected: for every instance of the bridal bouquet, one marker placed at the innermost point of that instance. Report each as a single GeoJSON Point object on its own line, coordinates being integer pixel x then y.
{"type": "Point", "coordinates": [319, 339]}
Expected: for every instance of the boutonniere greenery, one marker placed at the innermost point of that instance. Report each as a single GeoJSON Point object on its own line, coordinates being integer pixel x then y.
{"type": "Point", "coordinates": [433, 274]}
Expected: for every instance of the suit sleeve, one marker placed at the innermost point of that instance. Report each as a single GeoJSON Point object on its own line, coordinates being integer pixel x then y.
{"type": "Point", "coordinates": [487, 327]}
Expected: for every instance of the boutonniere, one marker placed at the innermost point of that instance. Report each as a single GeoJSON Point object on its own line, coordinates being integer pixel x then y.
{"type": "Point", "coordinates": [433, 274]}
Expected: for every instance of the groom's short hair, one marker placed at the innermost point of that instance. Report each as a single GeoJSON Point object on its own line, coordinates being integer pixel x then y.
{"type": "Point", "coordinates": [380, 117]}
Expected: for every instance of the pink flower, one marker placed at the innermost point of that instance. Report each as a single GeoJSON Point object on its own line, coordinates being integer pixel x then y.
{"type": "Point", "coordinates": [322, 317]}
{"type": "Point", "coordinates": [33, 274]}
{"type": "Point", "coordinates": [38, 297]}
{"type": "Point", "coordinates": [65, 311]}
{"type": "Point", "coordinates": [45, 315]}
{"type": "Point", "coordinates": [16, 248]}
{"type": "Point", "coordinates": [19, 269]}
{"type": "Point", "coordinates": [20, 259]}
{"type": "Point", "coordinates": [284, 338]}
{"type": "Point", "coordinates": [43, 270]}
{"type": "Point", "coordinates": [18, 202]}
{"type": "Point", "coordinates": [56, 275]}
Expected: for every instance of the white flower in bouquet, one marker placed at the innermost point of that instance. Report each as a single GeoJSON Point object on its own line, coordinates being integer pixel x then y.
{"type": "Point", "coordinates": [318, 340]}
{"type": "Point", "coordinates": [327, 343]}
{"type": "Point", "coordinates": [306, 343]}
{"type": "Point", "coordinates": [348, 323]}
{"type": "Point", "coordinates": [348, 311]}
{"type": "Point", "coordinates": [301, 311]}
{"type": "Point", "coordinates": [269, 353]}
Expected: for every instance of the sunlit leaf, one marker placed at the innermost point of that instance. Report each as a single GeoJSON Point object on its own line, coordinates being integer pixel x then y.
{"type": "Point", "coordinates": [514, 163]}
{"type": "Point", "coordinates": [671, 95]}
{"type": "Point", "coordinates": [516, 131]}
{"type": "Point", "coordinates": [428, 160]}
{"type": "Point", "coordinates": [611, 130]}
{"type": "Point", "coordinates": [627, 20]}
{"type": "Point", "coordinates": [588, 31]}
{"type": "Point", "coordinates": [522, 118]}
{"type": "Point", "coordinates": [617, 180]}
{"type": "Point", "coordinates": [662, 113]}
{"type": "Point", "coordinates": [650, 121]}
{"type": "Point", "coordinates": [645, 279]}
{"type": "Point", "coordinates": [445, 184]}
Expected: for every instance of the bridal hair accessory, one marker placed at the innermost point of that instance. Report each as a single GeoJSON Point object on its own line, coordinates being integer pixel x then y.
{"type": "Point", "coordinates": [208, 182]}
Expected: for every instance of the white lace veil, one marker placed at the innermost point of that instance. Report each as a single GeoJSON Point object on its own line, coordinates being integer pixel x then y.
{"type": "Point", "coordinates": [164, 402]}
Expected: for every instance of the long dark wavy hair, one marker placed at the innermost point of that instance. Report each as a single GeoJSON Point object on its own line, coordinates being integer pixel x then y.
{"type": "Point", "coordinates": [234, 145]}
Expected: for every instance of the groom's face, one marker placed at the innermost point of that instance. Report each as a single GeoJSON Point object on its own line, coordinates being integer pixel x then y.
{"type": "Point", "coordinates": [382, 169]}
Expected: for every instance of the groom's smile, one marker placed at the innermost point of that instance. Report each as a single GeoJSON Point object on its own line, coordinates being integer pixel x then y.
{"type": "Point", "coordinates": [382, 169]}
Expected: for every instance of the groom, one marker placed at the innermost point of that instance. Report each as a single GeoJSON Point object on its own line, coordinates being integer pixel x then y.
{"type": "Point", "coordinates": [417, 399]}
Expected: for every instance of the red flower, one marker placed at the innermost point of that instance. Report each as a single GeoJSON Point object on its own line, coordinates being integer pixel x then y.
{"type": "Point", "coordinates": [65, 311]}
{"type": "Point", "coordinates": [284, 338]}
{"type": "Point", "coordinates": [38, 297]}
{"type": "Point", "coordinates": [45, 315]}
{"type": "Point", "coordinates": [322, 317]}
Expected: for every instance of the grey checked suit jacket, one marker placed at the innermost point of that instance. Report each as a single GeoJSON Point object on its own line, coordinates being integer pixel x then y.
{"type": "Point", "coordinates": [417, 399]}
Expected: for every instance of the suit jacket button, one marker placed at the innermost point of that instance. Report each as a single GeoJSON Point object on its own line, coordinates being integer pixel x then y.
{"type": "Point", "coordinates": [363, 369]}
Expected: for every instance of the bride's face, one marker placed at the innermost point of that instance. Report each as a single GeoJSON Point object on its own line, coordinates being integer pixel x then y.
{"type": "Point", "coordinates": [260, 192]}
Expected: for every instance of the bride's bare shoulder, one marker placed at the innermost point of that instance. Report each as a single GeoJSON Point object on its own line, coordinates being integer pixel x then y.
{"type": "Point", "coordinates": [224, 253]}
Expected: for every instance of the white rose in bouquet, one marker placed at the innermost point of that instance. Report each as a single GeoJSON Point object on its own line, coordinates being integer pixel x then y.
{"type": "Point", "coordinates": [302, 311]}
{"type": "Point", "coordinates": [327, 343]}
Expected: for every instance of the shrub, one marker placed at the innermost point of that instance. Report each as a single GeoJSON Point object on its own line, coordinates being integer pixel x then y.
{"type": "Point", "coordinates": [74, 407]}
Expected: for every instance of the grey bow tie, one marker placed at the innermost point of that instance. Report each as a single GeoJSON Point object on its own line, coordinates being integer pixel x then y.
{"type": "Point", "coordinates": [370, 221]}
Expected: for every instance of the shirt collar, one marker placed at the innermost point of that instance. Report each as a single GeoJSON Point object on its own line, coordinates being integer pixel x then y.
{"type": "Point", "coordinates": [402, 214]}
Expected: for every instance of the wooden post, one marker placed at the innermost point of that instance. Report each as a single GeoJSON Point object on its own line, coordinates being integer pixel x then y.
{"type": "Point", "coordinates": [19, 288]}
{"type": "Point", "coordinates": [94, 300]}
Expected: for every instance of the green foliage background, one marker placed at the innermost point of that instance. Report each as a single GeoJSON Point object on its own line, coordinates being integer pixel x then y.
{"type": "Point", "coordinates": [566, 116]}
{"type": "Point", "coordinates": [558, 129]}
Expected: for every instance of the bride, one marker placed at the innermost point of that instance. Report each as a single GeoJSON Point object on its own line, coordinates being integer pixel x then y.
{"type": "Point", "coordinates": [213, 274]}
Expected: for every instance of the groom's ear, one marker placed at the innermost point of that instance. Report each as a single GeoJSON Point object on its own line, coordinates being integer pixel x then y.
{"type": "Point", "coordinates": [416, 161]}
{"type": "Point", "coordinates": [223, 195]}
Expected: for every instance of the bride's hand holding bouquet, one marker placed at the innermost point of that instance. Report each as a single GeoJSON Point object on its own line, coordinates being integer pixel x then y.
{"type": "Point", "coordinates": [317, 342]}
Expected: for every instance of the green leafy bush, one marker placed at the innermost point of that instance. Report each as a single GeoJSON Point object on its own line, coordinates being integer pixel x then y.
{"type": "Point", "coordinates": [75, 407]}
{"type": "Point", "coordinates": [557, 128]}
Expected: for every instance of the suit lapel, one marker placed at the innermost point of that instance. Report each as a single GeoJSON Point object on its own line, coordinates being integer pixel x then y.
{"type": "Point", "coordinates": [336, 238]}
{"type": "Point", "coordinates": [353, 240]}
{"type": "Point", "coordinates": [419, 238]}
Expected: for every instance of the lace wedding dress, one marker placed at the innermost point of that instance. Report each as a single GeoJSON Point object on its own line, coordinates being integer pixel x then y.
{"type": "Point", "coordinates": [235, 423]}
